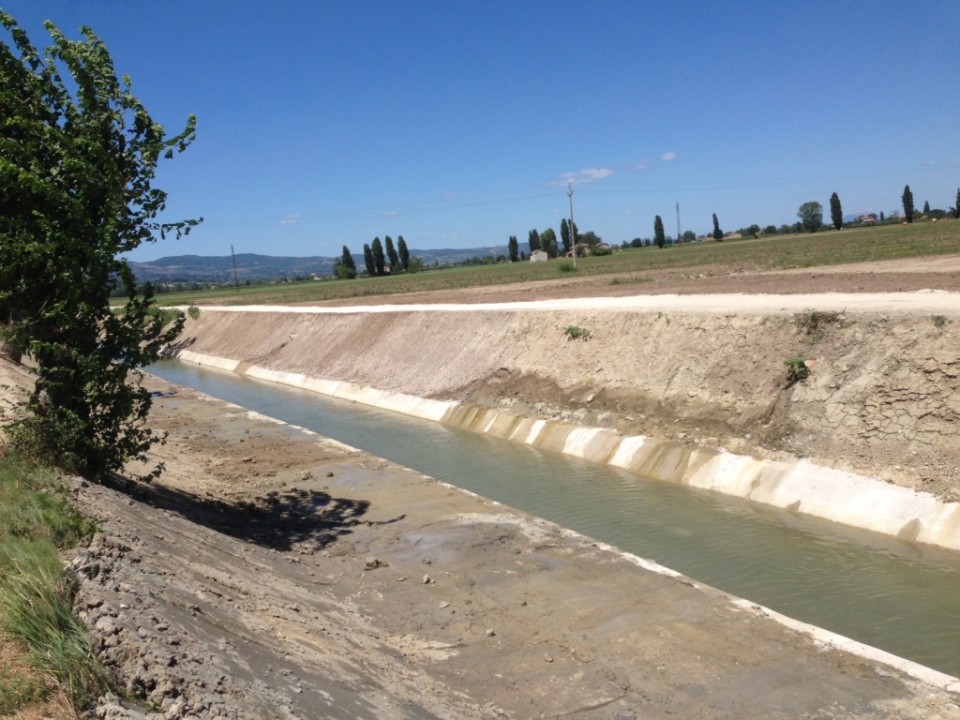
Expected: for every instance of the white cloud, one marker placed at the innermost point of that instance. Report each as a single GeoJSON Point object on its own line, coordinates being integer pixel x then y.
{"type": "Point", "coordinates": [668, 156]}
{"type": "Point", "coordinates": [587, 175]}
{"type": "Point", "coordinates": [291, 219]}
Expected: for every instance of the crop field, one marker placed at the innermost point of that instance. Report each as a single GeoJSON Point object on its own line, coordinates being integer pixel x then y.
{"type": "Point", "coordinates": [888, 242]}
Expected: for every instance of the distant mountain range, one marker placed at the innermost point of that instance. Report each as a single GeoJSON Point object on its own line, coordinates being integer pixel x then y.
{"type": "Point", "coordinates": [256, 268]}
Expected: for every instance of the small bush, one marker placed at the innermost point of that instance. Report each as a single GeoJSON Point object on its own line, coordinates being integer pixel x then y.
{"type": "Point", "coordinates": [566, 266]}
{"type": "Point", "coordinates": [939, 321]}
{"type": "Point", "coordinates": [575, 332]}
{"type": "Point", "coordinates": [194, 312]}
{"type": "Point", "coordinates": [797, 370]}
{"type": "Point", "coordinates": [813, 322]}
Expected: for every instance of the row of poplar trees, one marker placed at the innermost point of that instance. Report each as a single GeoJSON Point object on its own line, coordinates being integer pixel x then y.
{"type": "Point", "coordinates": [375, 259]}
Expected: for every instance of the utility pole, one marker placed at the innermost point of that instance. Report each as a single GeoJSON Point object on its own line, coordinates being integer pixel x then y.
{"type": "Point", "coordinates": [573, 233]}
{"type": "Point", "coordinates": [233, 258]}
{"type": "Point", "coordinates": [678, 222]}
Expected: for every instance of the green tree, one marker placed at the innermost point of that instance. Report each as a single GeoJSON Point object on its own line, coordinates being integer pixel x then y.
{"type": "Point", "coordinates": [926, 207]}
{"type": "Point", "coordinates": [78, 158]}
{"type": "Point", "coordinates": [368, 260]}
{"type": "Point", "coordinates": [836, 211]}
{"type": "Point", "coordinates": [513, 248]}
{"type": "Point", "coordinates": [689, 236]}
{"type": "Point", "coordinates": [658, 235]}
{"type": "Point", "coordinates": [379, 261]}
{"type": "Point", "coordinates": [548, 241]}
{"type": "Point", "coordinates": [345, 268]}
{"type": "Point", "coordinates": [590, 238]}
{"type": "Point", "coordinates": [811, 216]}
{"type": "Point", "coordinates": [907, 198]}
{"type": "Point", "coordinates": [533, 240]}
{"type": "Point", "coordinates": [392, 254]}
{"type": "Point", "coordinates": [565, 235]}
{"type": "Point", "coordinates": [717, 232]}
{"type": "Point", "coordinates": [404, 253]}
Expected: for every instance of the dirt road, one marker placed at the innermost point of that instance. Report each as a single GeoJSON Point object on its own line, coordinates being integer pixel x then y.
{"type": "Point", "coordinates": [907, 275]}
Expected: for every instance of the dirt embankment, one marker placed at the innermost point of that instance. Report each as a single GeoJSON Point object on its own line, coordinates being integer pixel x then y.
{"type": "Point", "coordinates": [882, 397]}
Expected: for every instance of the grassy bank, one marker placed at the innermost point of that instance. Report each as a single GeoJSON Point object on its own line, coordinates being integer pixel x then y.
{"type": "Point", "coordinates": [888, 242]}
{"type": "Point", "coordinates": [47, 656]}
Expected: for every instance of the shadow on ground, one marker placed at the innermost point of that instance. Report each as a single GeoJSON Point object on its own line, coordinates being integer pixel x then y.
{"type": "Point", "coordinates": [278, 520]}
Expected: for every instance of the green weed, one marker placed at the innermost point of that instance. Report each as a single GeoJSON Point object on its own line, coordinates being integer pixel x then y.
{"type": "Point", "coordinates": [36, 595]}
{"type": "Point", "coordinates": [575, 332]}
{"type": "Point", "coordinates": [797, 370]}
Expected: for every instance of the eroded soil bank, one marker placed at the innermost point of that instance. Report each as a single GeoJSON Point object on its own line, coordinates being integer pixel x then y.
{"type": "Point", "coordinates": [274, 573]}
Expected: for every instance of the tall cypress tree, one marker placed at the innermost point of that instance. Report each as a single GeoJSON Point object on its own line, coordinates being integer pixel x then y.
{"type": "Point", "coordinates": [347, 259]}
{"type": "Point", "coordinates": [368, 260]}
{"type": "Point", "coordinates": [717, 232]}
{"type": "Point", "coordinates": [836, 211]}
{"type": "Point", "coordinates": [392, 254]}
{"type": "Point", "coordinates": [533, 239]}
{"type": "Point", "coordinates": [378, 258]}
{"type": "Point", "coordinates": [548, 242]}
{"type": "Point", "coordinates": [513, 248]}
{"type": "Point", "coordinates": [907, 198]}
{"type": "Point", "coordinates": [565, 235]}
{"type": "Point", "coordinates": [956, 207]}
{"type": "Point", "coordinates": [404, 253]}
{"type": "Point", "coordinates": [659, 237]}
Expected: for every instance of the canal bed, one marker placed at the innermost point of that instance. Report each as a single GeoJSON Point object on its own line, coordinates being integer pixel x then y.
{"type": "Point", "coordinates": [895, 595]}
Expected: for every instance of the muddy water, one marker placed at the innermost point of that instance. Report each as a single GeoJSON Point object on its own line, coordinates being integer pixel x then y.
{"type": "Point", "coordinates": [894, 595]}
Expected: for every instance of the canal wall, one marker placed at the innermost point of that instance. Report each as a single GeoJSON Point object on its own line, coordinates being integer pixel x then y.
{"type": "Point", "coordinates": [869, 438]}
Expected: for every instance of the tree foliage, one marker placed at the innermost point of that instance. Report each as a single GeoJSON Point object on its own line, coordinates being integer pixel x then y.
{"type": "Point", "coordinates": [345, 268]}
{"type": "Point", "coordinates": [513, 248]}
{"type": "Point", "coordinates": [907, 198]}
{"type": "Point", "coordinates": [717, 232]}
{"type": "Point", "coordinates": [659, 237]}
{"type": "Point", "coordinates": [403, 252]}
{"type": "Point", "coordinates": [78, 158]}
{"type": "Point", "coordinates": [368, 260]}
{"type": "Point", "coordinates": [379, 261]}
{"type": "Point", "coordinates": [548, 242]}
{"type": "Point", "coordinates": [392, 255]}
{"type": "Point", "coordinates": [533, 240]}
{"type": "Point", "coordinates": [811, 216]}
{"type": "Point", "coordinates": [836, 211]}
{"type": "Point", "coordinates": [565, 235]}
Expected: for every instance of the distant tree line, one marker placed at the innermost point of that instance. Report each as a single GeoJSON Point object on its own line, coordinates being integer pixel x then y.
{"type": "Point", "coordinates": [377, 257]}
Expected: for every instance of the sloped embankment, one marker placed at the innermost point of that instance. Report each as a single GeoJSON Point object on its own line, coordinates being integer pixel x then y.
{"type": "Point", "coordinates": [882, 398]}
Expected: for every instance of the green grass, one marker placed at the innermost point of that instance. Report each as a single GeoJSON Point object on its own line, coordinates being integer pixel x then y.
{"type": "Point", "coordinates": [887, 242]}
{"type": "Point", "coordinates": [36, 521]}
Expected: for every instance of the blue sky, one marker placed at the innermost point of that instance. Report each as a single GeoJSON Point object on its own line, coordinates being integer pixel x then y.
{"type": "Point", "coordinates": [458, 124]}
